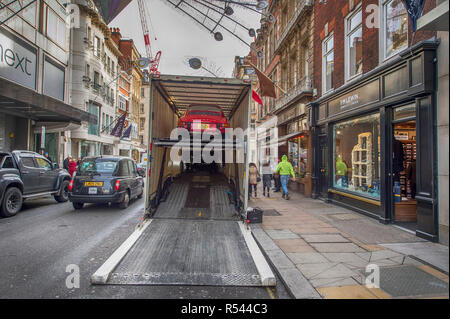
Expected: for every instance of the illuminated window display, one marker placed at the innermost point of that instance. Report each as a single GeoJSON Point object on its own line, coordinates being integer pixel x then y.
{"type": "Point", "coordinates": [357, 156]}
{"type": "Point", "coordinates": [298, 155]}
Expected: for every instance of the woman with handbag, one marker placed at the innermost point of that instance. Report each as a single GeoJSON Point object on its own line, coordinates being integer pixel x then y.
{"type": "Point", "coordinates": [253, 178]}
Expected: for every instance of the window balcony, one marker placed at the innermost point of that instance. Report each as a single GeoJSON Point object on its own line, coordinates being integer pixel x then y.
{"type": "Point", "coordinates": [302, 8]}
{"type": "Point", "coordinates": [304, 86]}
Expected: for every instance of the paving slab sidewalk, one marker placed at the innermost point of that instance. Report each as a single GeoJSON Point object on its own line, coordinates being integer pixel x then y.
{"type": "Point", "coordinates": [322, 251]}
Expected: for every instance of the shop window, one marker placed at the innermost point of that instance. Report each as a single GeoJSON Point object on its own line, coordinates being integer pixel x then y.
{"type": "Point", "coordinates": [298, 155]}
{"type": "Point", "coordinates": [357, 155]}
{"type": "Point", "coordinates": [353, 45]}
{"type": "Point", "coordinates": [405, 112]}
{"type": "Point", "coordinates": [395, 27]}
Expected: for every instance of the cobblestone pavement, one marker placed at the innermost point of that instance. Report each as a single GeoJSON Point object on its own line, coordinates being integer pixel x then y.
{"type": "Point", "coordinates": [332, 246]}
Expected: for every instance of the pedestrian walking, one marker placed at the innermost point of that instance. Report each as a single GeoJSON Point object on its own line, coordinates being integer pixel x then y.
{"type": "Point", "coordinates": [72, 167]}
{"type": "Point", "coordinates": [254, 178]}
{"type": "Point", "coordinates": [285, 170]}
{"type": "Point", "coordinates": [276, 179]}
{"type": "Point", "coordinates": [267, 177]}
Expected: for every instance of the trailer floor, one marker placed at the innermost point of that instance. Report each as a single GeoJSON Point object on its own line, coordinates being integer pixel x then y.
{"type": "Point", "coordinates": [194, 239]}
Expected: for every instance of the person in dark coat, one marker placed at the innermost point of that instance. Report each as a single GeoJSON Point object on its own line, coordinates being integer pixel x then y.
{"type": "Point", "coordinates": [399, 157]}
{"type": "Point", "coordinates": [66, 163]}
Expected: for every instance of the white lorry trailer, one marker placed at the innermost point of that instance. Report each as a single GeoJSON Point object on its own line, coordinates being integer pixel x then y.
{"type": "Point", "coordinates": [194, 230]}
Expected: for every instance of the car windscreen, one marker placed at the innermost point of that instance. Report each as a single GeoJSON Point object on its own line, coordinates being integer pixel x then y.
{"type": "Point", "coordinates": [204, 110]}
{"type": "Point", "coordinates": [97, 166]}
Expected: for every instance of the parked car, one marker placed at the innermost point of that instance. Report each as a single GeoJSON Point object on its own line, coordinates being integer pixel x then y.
{"type": "Point", "coordinates": [210, 116]}
{"type": "Point", "coordinates": [142, 167]}
{"type": "Point", "coordinates": [25, 175]}
{"type": "Point", "coordinates": [106, 179]}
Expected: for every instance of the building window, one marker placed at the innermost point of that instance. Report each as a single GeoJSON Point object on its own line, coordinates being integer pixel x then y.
{"type": "Point", "coordinates": [122, 103]}
{"type": "Point", "coordinates": [353, 45]}
{"type": "Point", "coordinates": [357, 156]}
{"type": "Point", "coordinates": [142, 92]}
{"type": "Point", "coordinates": [328, 63]}
{"type": "Point", "coordinates": [395, 28]}
{"type": "Point", "coordinates": [112, 68]}
{"type": "Point", "coordinates": [142, 124]}
{"type": "Point", "coordinates": [96, 80]}
{"type": "Point", "coordinates": [103, 121]}
{"type": "Point", "coordinates": [93, 129]}
{"type": "Point", "coordinates": [56, 28]}
{"type": "Point", "coordinates": [142, 110]}
{"type": "Point", "coordinates": [97, 47]}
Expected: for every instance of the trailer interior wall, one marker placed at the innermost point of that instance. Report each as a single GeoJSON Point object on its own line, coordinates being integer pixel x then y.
{"type": "Point", "coordinates": [240, 119]}
{"type": "Point", "coordinates": [164, 121]}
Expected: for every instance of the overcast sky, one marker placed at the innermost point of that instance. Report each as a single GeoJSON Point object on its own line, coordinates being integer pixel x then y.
{"type": "Point", "coordinates": [178, 36]}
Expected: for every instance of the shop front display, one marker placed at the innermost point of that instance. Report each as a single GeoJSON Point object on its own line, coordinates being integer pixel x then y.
{"type": "Point", "coordinates": [374, 147]}
{"type": "Point", "coordinates": [357, 156]}
{"type": "Point", "coordinates": [296, 144]}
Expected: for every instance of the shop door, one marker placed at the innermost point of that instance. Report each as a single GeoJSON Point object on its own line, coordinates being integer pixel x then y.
{"type": "Point", "coordinates": [323, 166]}
{"type": "Point", "coordinates": [403, 167]}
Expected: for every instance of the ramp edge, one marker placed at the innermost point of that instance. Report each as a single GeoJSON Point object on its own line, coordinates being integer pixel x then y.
{"type": "Point", "coordinates": [266, 274]}
{"type": "Point", "coordinates": [100, 277]}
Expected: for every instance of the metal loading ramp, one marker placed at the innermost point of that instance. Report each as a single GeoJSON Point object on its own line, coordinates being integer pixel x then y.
{"type": "Point", "coordinates": [187, 252]}
{"type": "Point", "coordinates": [187, 243]}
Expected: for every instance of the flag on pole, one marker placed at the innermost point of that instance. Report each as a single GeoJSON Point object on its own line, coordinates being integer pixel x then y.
{"type": "Point", "coordinates": [117, 130]}
{"type": "Point", "coordinates": [414, 9]}
{"type": "Point", "coordinates": [265, 83]}
{"type": "Point", "coordinates": [127, 132]}
{"type": "Point", "coordinates": [256, 97]}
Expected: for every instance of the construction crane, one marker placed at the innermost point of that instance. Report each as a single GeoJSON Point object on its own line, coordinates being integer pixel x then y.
{"type": "Point", "coordinates": [154, 61]}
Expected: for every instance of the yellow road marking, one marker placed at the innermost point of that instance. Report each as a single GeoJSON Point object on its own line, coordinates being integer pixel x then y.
{"type": "Point", "coordinates": [269, 291]}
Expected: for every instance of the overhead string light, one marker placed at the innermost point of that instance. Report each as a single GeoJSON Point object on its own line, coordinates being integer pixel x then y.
{"type": "Point", "coordinates": [221, 17]}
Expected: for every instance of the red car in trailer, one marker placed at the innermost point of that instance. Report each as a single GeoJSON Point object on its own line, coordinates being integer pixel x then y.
{"type": "Point", "coordinates": [204, 118]}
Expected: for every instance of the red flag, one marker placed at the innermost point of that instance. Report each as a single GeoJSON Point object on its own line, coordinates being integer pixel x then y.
{"type": "Point", "coordinates": [256, 97]}
{"type": "Point", "coordinates": [265, 83]}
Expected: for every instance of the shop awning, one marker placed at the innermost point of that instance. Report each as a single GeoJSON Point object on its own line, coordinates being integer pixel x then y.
{"type": "Point", "coordinates": [23, 102]}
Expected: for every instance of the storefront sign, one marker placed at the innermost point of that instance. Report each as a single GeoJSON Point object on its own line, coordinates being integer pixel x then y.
{"type": "Point", "coordinates": [17, 62]}
{"type": "Point", "coordinates": [368, 93]}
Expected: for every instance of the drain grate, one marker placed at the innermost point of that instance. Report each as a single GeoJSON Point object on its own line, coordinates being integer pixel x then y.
{"type": "Point", "coordinates": [410, 281]}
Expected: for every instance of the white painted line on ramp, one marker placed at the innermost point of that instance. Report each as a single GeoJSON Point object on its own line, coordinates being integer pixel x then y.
{"type": "Point", "coordinates": [100, 277]}
{"type": "Point", "coordinates": [266, 274]}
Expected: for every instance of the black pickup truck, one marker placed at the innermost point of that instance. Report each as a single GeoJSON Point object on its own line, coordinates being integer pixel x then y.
{"type": "Point", "coordinates": [25, 175]}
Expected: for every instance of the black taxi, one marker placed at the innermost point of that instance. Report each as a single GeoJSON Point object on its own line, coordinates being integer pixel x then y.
{"type": "Point", "coordinates": [106, 179]}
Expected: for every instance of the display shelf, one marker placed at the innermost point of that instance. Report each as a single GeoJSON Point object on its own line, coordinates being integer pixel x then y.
{"type": "Point", "coordinates": [362, 161]}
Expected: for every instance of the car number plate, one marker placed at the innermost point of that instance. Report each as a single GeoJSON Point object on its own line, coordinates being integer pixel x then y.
{"type": "Point", "coordinates": [92, 191]}
{"type": "Point", "coordinates": [95, 184]}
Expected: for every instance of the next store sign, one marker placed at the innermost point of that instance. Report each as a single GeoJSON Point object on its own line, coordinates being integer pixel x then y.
{"type": "Point", "coordinates": [17, 62]}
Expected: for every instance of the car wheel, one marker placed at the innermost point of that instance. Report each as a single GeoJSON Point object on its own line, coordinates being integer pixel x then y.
{"type": "Point", "coordinates": [63, 193]}
{"type": "Point", "coordinates": [78, 206]}
{"type": "Point", "coordinates": [12, 202]}
{"type": "Point", "coordinates": [126, 201]}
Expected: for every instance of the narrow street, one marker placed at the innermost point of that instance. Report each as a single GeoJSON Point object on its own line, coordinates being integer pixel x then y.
{"type": "Point", "coordinates": [39, 243]}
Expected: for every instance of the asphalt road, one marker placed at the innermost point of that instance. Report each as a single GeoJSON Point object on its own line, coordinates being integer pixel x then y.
{"type": "Point", "coordinates": [38, 244]}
